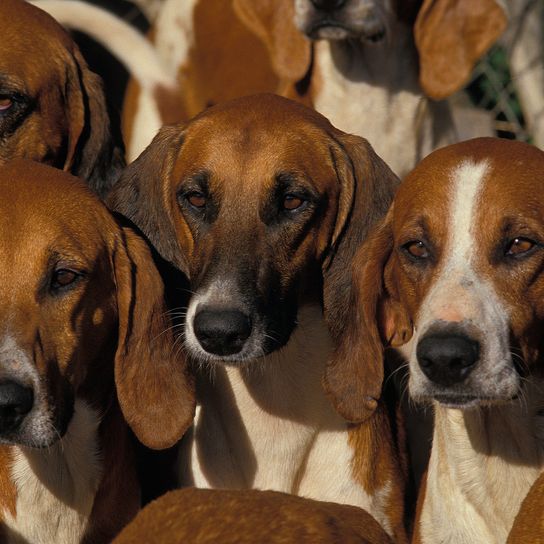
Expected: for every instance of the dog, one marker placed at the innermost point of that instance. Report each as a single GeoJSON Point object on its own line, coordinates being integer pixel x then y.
{"type": "Point", "coordinates": [453, 275]}
{"type": "Point", "coordinates": [261, 203]}
{"type": "Point", "coordinates": [235, 517]}
{"type": "Point", "coordinates": [85, 342]}
{"type": "Point", "coordinates": [52, 107]}
{"type": "Point", "coordinates": [355, 61]}
{"type": "Point", "coordinates": [529, 523]}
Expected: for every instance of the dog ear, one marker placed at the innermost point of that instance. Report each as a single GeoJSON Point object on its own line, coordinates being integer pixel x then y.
{"type": "Point", "coordinates": [140, 195]}
{"type": "Point", "coordinates": [376, 318]}
{"type": "Point", "coordinates": [154, 386]}
{"type": "Point", "coordinates": [92, 152]}
{"type": "Point", "coordinates": [451, 35]}
{"type": "Point", "coordinates": [273, 22]}
{"type": "Point", "coordinates": [367, 186]}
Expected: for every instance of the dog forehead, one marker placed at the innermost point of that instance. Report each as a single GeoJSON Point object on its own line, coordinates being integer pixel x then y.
{"type": "Point", "coordinates": [510, 175]}
{"type": "Point", "coordinates": [41, 203]}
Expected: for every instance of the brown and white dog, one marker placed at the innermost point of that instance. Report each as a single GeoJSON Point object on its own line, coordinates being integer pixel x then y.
{"type": "Point", "coordinates": [208, 516]}
{"type": "Point", "coordinates": [370, 66]}
{"type": "Point", "coordinates": [456, 269]}
{"type": "Point", "coordinates": [82, 315]}
{"type": "Point", "coordinates": [52, 107]}
{"type": "Point", "coordinates": [261, 202]}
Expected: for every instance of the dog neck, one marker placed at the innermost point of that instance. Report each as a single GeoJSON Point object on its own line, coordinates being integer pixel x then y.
{"type": "Point", "coordinates": [381, 100]}
{"type": "Point", "coordinates": [67, 492]}
{"type": "Point", "coordinates": [483, 463]}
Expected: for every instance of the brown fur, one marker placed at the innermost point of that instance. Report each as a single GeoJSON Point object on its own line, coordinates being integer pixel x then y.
{"type": "Point", "coordinates": [529, 523]}
{"type": "Point", "coordinates": [59, 113]}
{"type": "Point", "coordinates": [206, 516]}
{"type": "Point", "coordinates": [114, 316]}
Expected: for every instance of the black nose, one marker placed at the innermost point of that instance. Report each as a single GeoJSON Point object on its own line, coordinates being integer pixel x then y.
{"type": "Point", "coordinates": [222, 332]}
{"type": "Point", "coordinates": [328, 5]}
{"type": "Point", "coordinates": [15, 403]}
{"type": "Point", "coordinates": [447, 360]}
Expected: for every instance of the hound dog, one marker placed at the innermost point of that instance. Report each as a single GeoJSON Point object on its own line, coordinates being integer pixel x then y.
{"type": "Point", "coordinates": [355, 61]}
{"type": "Point", "coordinates": [455, 274]}
{"type": "Point", "coordinates": [203, 516]}
{"type": "Point", "coordinates": [52, 107]}
{"type": "Point", "coordinates": [261, 203]}
{"type": "Point", "coordinates": [78, 295]}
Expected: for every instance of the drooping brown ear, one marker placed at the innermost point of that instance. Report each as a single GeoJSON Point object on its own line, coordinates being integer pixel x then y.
{"type": "Point", "coordinates": [94, 153]}
{"type": "Point", "coordinates": [367, 186]}
{"type": "Point", "coordinates": [273, 22]}
{"type": "Point", "coordinates": [451, 35]}
{"type": "Point", "coordinates": [154, 386]}
{"type": "Point", "coordinates": [142, 194]}
{"type": "Point", "coordinates": [376, 318]}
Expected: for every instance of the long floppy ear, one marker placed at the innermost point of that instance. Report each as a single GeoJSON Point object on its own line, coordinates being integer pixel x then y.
{"type": "Point", "coordinates": [273, 22]}
{"type": "Point", "coordinates": [367, 186]}
{"type": "Point", "coordinates": [154, 386]}
{"type": "Point", "coordinates": [376, 318]}
{"type": "Point", "coordinates": [94, 154]}
{"type": "Point", "coordinates": [142, 194]}
{"type": "Point", "coordinates": [451, 35]}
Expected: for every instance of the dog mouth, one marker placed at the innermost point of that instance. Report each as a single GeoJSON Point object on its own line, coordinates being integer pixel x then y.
{"type": "Point", "coordinates": [464, 402]}
{"type": "Point", "coordinates": [330, 29]}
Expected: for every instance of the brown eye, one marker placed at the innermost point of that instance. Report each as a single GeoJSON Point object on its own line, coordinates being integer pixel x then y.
{"type": "Point", "coordinates": [196, 199]}
{"type": "Point", "coordinates": [519, 246]}
{"type": "Point", "coordinates": [416, 249]}
{"type": "Point", "coordinates": [292, 202]}
{"type": "Point", "coordinates": [63, 277]}
{"type": "Point", "coordinates": [5, 103]}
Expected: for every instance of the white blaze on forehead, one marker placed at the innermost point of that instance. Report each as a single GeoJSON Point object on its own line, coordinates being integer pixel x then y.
{"type": "Point", "coordinates": [467, 185]}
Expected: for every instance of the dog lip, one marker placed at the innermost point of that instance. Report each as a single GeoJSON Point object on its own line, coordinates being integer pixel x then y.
{"type": "Point", "coordinates": [452, 400]}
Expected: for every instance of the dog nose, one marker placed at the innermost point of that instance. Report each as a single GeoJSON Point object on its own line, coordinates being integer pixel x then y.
{"type": "Point", "coordinates": [447, 360]}
{"type": "Point", "coordinates": [328, 5]}
{"type": "Point", "coordinates": [15, 403]}
{"type": "Point", "coordinates": [222, 332]}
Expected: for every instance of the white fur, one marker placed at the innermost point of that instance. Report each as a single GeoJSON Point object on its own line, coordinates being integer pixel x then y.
{"type": "Point", "coordinates": [268, 425]}
{"type": "Point", "coordinates": [56, 487]}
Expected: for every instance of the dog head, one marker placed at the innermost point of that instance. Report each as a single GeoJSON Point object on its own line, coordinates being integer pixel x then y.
{"type": "Point", "coordinates": [450, 35]}
{"type": "Point", "coordinates": [52, 107]}
{"type": "Point", "coordinates": [262, 203]}
{"type": "Point", "coordinates": [79, 292]}
{"type": "Point", "coordinates": [458, 264]}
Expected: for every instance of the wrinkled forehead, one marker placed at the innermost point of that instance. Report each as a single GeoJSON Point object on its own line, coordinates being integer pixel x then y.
{"type": "Point", "coordinates": [250, 152]}
{"type": "Point", "coordinates": [479, 184]}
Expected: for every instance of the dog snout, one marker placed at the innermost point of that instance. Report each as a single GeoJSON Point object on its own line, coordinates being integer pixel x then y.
{"type": "Point", "coordinates": [447, 360]}
{"type": "Point", "coordinates": [328, 5]}
{"type": "Point", "coordinates": [16, 401]}
{"type": "Point", "coordinates": [222, 332]}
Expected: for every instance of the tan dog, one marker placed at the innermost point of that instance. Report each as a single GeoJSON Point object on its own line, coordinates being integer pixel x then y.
{"type": "Point", "coordinates": [78, 294]}
{"type": "Point", "coordinates": [456, 267]}
{"type": "Point", "coordinates": [201, 516]}
{"type": "Point", "coordinates": [52, 108]}
{"type": "Point", "coordinates": [261, 202]}
{"type": "Point", "coordinates": [529, 523]}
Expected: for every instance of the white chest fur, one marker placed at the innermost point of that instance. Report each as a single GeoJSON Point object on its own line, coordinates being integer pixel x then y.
{"type": "Point", "coordinates": [270, 426]}
{"type": "Point", "coordinates": [482, 466]}
{"type": "Point", "coordinates": [56, 487]}
{"type": "Point", "coordinates": [373, 91]}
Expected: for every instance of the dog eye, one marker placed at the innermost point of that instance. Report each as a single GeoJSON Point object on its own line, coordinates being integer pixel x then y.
{"type": "Point", "coordinates": [197, 199]}
{"type": "Point", "coordinates": [63, 277]}
{"type": "Point", "coordinates": [416, 249]}
{"type": "Point", "coordinates": [5, 103]}
{"type": "Point", "coordinates": [292, 202]}
{"type": "Point", "coordinates": [519, 246]}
